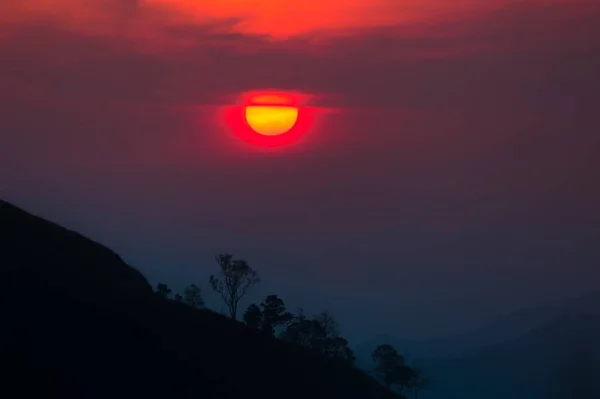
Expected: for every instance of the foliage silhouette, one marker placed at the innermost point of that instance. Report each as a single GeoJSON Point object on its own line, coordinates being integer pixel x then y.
{"type": "Point", "coordinates": [253, 316]}
{"type": "Point", "coordinates": [192, 296]}
{"type": "Point", "coordinates": [391, 367]}
{"type": "Point", "coordinates": [314, 336]}
{"type": "Point", "coordinates": [329, 324]}
{"type": "Point", "coordinates": [268, 316]}
{"type": "Point", "coordinates": [418, 382]}
{"type": "Point", "coordinates": [236, 278]}
{"type": "Point", "coordinates": [163, 291]}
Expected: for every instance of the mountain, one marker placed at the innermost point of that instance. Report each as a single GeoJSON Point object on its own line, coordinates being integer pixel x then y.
{"type": "Point", "coordinates": [560, 359]}
{"type": "Point", "coordinates": [78, 322]}
{"type": "Point", "coordinates": [504, 328]}
{"type": "Point", "coordinates": [64, 259]}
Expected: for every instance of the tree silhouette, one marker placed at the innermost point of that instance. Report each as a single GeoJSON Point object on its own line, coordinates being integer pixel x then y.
{"type": "Point", "coordinates": [320, 334]}
{"type": "Point", "coordinates": [329, 324]}
{"type": "Point", "coordinates": [334, 345]}
{"type": "Point", "coordinates": [304, 332]}
{"type": "Point", "coordinates": [192, 295]}
{"type": "Point", "coordinates": [253, 316]}
{"type": "Point", "coordinates": [418, 382]}
{"type": "Point", "coordinates": [272, 315]}
{"type": "Point", "coordinates": [237, 277]}
{"type": "Point", "coordinates": [163, 290]}
{"type": "Point", "coordinates": [391, 367]}
{"type": "Point", "coordinates": [338, 347]}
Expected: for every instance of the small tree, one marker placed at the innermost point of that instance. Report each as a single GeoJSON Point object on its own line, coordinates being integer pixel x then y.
{"type": "Point", "coordinates": [391, 367]}
{"type": "Point", "coordinates": [304, 332]}
{"type": "Point", "coordinates": [338, 347]}
{"type": "Point", "coordinates": [253, 316]}
{"type": "Point", "coordinates": [334, 345]}
{"type": "Point", "coordinates": [268, 316]}
{"type": "Point", "coordinates": [274, 314]}
{"type": "Point", "coordinates": [163, 290]}
{"type": "Point", "coordinates": [192, 295]}
{"type": "Point", "coordinates": [320, 334]}
{"type": "Point", "coordinates": [236, 278]}
{"type": "Point", "coordinates": [329, 324]}
{"type": "Point", "coordinates": [418, 382]}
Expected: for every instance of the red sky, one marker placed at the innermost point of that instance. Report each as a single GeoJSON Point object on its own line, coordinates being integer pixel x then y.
{"type": "Point", "coordinates": [463, 144]}
{"type": "Point", "coordinates": [256, 17]}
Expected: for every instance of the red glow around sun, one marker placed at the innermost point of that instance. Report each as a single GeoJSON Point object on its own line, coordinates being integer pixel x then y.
{"type": "Point", "coordinates": [254, 106]}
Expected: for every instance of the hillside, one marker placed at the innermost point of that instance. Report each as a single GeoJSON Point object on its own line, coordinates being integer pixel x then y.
{"type": "Point", "coordinates": [78, 322]}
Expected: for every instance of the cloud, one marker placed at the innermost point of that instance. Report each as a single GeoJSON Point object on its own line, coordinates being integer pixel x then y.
{"type": "Point", "coordinates": [518, 51]}
{"type": "Point", "coordinates": [141, 17]}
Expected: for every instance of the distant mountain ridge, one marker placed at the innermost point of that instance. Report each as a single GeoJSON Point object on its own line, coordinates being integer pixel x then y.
{"type": "Point", "coordinates": [502, 329]}
{"type": "Point", "coordinates": [550, 351]}
{"type": "Point", "coordinates": [559, 359]}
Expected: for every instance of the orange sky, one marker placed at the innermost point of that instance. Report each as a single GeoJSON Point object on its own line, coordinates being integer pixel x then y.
{"type": "Point", "coordinates": [276, 18]}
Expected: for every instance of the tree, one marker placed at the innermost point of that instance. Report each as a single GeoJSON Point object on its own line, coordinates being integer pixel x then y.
{"type": "Point", "coordinates": [236, 278]}
{"type": "Point", "coordinates": [178, 298]}
{"type": "Point", "coordinates": [268, 316]}
{"type": "Point", "coordinates": [253, 316]}
{"type": "Point", "coordinates": [330, 325]}
{"type": "Point", "coordinates": [163, 291]}
{"type": "Point", "coordinates": [418, 382]}
{"type": "Point", "coordinates": [320, 334]}
{"type": "Point", "coordinates": [299, 314]}
{"type": "Point", "coordinates": [338, 347]}
{"type": "Point", "coordinates": [192, 295]}
{"type": "Point", "coordinates": [391, 367]}
{"type": "Point", "coordinates": [274, 314]}
{"type": "Point", "coordinates": [334, 345]}
{"type": "Point", "coordinates": [304, 332]}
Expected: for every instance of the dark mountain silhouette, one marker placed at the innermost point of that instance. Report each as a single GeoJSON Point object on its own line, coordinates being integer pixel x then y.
{"type": "Point", "coordinates": [78, 322]}
{"type": "Point", "coordinates": [560, 359]}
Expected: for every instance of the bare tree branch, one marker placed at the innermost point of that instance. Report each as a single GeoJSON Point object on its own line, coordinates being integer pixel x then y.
{"type": "Point", "coordinates": [236, 279]}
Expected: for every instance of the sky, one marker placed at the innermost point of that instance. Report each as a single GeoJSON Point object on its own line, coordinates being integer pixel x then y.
{"type": "Point", "coordinates": [450, 175]}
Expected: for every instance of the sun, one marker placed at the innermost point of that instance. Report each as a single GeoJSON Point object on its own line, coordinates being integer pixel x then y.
{"type": "Point", "coordinates": [270, 119]}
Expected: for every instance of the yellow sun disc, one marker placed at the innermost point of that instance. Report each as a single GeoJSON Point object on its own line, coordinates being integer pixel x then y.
{"type": "Point", "coordinates": [271, 120]}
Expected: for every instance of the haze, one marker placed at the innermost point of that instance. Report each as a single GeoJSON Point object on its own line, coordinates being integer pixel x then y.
{"type": "Point", "coordinates": [453, 178]}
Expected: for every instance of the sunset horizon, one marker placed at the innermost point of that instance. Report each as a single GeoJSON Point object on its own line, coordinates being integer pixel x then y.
{"type": "Point", "coordinates": [423, 170]}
